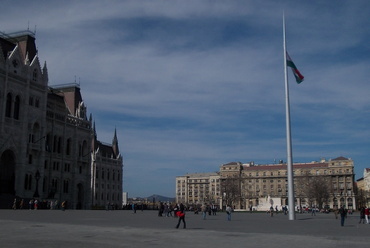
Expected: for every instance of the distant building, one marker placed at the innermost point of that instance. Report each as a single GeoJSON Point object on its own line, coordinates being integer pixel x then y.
{"type": "Point", "coordinates": [363, 187]}
{"type": "Point", "coordinates": [48, 146]}
{"type": "Point", "coordinates": [198, 188]}
{"type": "Point", "coordinates": [252, 185]}
{"type": "Point", "coordinates": [106, 169]}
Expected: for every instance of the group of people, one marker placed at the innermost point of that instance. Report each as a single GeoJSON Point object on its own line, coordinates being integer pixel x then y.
{"type": "Point", "coordinates": [210, 209]}
{"type": "Point", "coordinates": [34, 204]}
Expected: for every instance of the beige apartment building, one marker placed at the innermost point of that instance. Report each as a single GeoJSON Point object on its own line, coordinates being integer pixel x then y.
{"type": "Point", "coordinates": [198, 188]}
{"type": "Point", "coordinates": [250, 185]}
{"type": "Point", "coordinates": [363, 185]}
{"type": "Point", "coordinates": [48, 145]}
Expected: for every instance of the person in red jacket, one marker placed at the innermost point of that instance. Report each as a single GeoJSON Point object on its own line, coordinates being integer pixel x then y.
{"type": "Point", "coordinates": [367, 212]}
{"type": "Point", "coordinates": [181, 215]}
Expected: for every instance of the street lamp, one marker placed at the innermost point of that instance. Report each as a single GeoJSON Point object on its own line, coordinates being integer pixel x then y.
{"type": "Point", "coordinates": [37, 176]}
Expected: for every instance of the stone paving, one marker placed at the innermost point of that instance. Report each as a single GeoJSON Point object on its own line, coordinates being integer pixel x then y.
{"type": "Point", "coordinates": [89, 228]}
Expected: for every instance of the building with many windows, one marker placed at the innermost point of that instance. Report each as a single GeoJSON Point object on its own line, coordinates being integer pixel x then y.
{"type": "Point", "coordinates": [48, 146]}
{"type": "Point", "coordinates": [363, 188]}
{"type": "Point", "coordinates": [198, 188]}
{"type": "Point", "coordinates": [319, 184]}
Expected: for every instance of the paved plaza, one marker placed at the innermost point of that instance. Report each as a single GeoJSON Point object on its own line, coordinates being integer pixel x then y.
{"type": "Point", "coordinates": [89, 228]}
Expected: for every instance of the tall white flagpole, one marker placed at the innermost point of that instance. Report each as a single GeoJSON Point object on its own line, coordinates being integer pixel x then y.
{"type": "Point", "coordinates": [291, 198]}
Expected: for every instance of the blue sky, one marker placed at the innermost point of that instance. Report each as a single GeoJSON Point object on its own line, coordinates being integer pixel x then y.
{"type": "Point", "coordinates": [191, 85]}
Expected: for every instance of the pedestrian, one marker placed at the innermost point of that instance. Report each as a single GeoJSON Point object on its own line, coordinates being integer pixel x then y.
{"type": "Point", "coordinates": [133, 208]}
{"type": "Point", "coordinates": [36, 204]}
{"type": "Point", "coordinates": [214, 209]}
{"type": "Point", "coordinates": [15, 204]}
{"type": "Point", "coordinates": [228, 212]}
{"type": "Point", "coordinates": [367, 212]}
{"type": "Point", "coordinates": [271, 211]}
{"type": "Point", "coordinates": [313, 210]}
{"type": "Point", "coordinates": [336, 212]}
{"type": "Point", "coordinates": [181, 214]}
{"type": "Point", "coordinates": [343, 215]}
{"type": "Point", "coordinates": [204, 211]}
{"type": "Point", "coordinates": [21, 204]}
{"type": "Point", "coordinates": [161, 209]}
{"type": "Point", "coordinates": [175, 210]}
{"type": "Point", "coordinates": [362, 215]}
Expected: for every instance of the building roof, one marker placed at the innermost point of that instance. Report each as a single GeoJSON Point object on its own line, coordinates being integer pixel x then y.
{"type": "Point", "coordinates": [340, 158]}
{"type": "Point", "coordinates": [106, 150]}
{"type": "Point", "coordinates": [206, 174]}
{"type": "Point", "coordinates": [25, 41]}
{"type": "Point", "coordinates": [6, 47]}
{"type": "Point", "coordinates": [72, 95]}
{"type": "Point", "coordinates": [284, 166]}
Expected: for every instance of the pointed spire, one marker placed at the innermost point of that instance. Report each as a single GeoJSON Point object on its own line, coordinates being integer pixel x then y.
{"type": "Point", "coordinates": [94, 129]}
{"type": "Point", "coordinates": [45, 73]}
{"type": "Point", "coordinates": [115, 144]}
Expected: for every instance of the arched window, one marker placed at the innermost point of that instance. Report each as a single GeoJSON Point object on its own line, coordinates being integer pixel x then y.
{"type": "Point", "coordinates": [8, 109]}
{"type": "Point", "coordinates": [34, 75]}
{"type": "Point", "coordinates": [68, 147]}
{"type": "Point", "coordinates": [28, 181]}
{"type": "Point", "coordinates": [44, 184]}
{"type": "Point", "coordinates": [55, 143]}
{"type": "Point", "coordinates": [65, 186]}
{"type": "Point", "coordinates": [84, 148]}
{"type": "Point", "coordinates": [59, 144]}
{"type": "Point", "coordinates": [17, 105]}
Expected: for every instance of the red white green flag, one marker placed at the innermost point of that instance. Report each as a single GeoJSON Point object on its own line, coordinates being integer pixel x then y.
{"type": "Point", "coordinates": [298, 76]}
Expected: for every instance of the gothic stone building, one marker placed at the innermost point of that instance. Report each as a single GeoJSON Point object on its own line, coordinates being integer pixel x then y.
{"type": "Point", "coordinates": [48, 147]}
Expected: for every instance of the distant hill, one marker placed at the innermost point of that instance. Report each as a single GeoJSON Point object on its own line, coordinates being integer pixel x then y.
{"type": "Point", "coordinates": [155, 198]}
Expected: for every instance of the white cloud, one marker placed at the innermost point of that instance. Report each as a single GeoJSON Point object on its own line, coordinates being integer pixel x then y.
{"type": "Point", "coordinates": [193, 84]}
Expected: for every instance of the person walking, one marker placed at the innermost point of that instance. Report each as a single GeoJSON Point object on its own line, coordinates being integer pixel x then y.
{"type": "Point", "coordinates": [271, 211]}
{"type": "Point", "coordinates": [228, 212]}
{"type": "Point", "coordinates": [15, 204]}
{"type": "Point", "coordinates": [343, 215]}
{"type": "Point", "coordinates": [313, 210]}
{"type": "Point", "coordinates": [336, 212]}
{"type": "Point", "coordinates": [204, 211]}
{"type": "Point", "coordinates": [181, 214]}
{"type": "Point", "coordinates": [367, 213]}
{"type": "Point", "coordinates": [362, 215]}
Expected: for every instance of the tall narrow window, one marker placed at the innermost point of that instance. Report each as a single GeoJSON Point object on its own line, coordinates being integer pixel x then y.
{"type": "Point", "coordinates": [8, 110]}
{"type": "Point", "coordinates": [27, 181]}
{"type": "Point", "coordinates": [34, 75]}
{"type": "Point", "coordinates": [68, 147]}
{"type": "Point", "coordinates": [17, 105]}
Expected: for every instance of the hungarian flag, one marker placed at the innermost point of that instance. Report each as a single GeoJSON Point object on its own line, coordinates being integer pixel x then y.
{"type": "Point", "coordinates": [298, 76]}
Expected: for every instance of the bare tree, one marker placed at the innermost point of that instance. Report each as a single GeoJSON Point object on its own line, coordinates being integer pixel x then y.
{"type": "Point", "coordinates": [301, 188]}
{"type": "Point", "coordinates": [231, 190]}
{"type": "Point", "coordinates": [318, 190]}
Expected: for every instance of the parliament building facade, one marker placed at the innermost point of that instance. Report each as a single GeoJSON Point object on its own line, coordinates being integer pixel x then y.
{"type": "Point", "coordinates": [48, 144]}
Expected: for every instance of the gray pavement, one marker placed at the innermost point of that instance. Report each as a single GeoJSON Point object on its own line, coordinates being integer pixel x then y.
{"type": "Point", "coordinates": [85, 228]}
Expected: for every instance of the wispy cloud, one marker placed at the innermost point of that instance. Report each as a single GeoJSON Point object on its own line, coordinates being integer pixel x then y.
{"type": "Point", "coordinates": [194, 84]}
